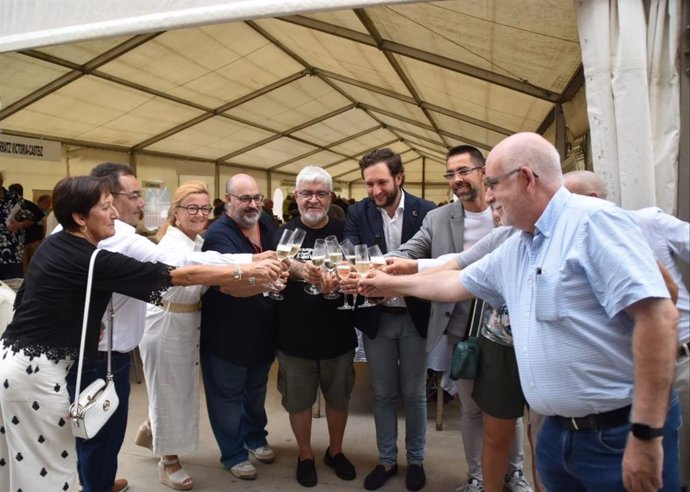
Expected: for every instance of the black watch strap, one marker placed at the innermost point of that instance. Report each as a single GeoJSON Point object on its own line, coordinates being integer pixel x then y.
{"type": "Point", "coordinates": [646, 433]}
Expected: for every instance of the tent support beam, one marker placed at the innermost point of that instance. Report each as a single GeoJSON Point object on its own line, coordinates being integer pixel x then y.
{"type": "Point", "coordinates": [424, 56]}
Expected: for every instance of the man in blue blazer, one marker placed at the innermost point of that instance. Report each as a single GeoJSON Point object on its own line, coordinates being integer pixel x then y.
{"type": "Point", "coordinates": [394, 332]}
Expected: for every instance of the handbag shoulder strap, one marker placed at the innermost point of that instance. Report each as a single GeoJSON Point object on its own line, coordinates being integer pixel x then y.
{"type": "Point", "coordinates": [474, 321]}
{"type": "Point", "coordinates": [85, 322]}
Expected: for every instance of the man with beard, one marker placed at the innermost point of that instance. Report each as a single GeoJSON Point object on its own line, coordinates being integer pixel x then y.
{"type": "Point", "coordinates": [316, 341]}
{"type": "Point", "coordinates": [393, 333]}
{"type": "Point", "coordinates": [451, 229]}
{"type": "Point", "coordinates": [238, 336]}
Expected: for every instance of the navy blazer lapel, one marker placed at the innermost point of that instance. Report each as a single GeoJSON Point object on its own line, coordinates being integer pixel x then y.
{"type": "Point", "coordinates": [457, 225]}
{"type": "Point", "coordinates": [376, 225]}
{"type": "Point", "coordinates": [411, 218]}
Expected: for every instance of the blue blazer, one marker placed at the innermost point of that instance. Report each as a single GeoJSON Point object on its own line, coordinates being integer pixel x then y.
{"type": "Point", "coordinates": [364, 225]}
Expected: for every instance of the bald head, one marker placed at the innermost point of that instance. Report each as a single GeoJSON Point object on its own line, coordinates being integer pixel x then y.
{"type": "Point", "coordinates": [585, 183]}
{"type": "Point", "coordinates": [240, 180]}
{"type": "Point", "coordinates": [531, 150]}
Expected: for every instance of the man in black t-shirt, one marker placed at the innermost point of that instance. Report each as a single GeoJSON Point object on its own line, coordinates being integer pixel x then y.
{"type": "Point", "coordinates": [30, 218]}
{"type": "Point", "coordinates": [316, 341]}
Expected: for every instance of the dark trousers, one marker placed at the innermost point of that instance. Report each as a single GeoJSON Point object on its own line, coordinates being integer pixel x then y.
{"type": "Point", "coordinates": [97, 457]}
{"type": "Point", "coordinates": [235, 399]}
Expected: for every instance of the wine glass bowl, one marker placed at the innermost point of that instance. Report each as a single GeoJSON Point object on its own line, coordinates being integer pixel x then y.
{"type": "Point", "coordinates": [318, 259]}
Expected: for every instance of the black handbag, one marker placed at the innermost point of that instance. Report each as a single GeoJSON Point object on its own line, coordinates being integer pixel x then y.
{"type": "Point", "coordinates": [465, 358]}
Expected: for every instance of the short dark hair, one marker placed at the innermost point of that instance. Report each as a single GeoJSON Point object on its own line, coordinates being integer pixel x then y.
{"type": "Point", "coordinates": [112, 172]}
{"type": "Point", "coordinates": [77, 194]}
{"type": "Point", "coordinates": [385, 155]}
{"type": "Point", "coordinates": [475, 154]}
{"type": "Point", "coordinates": [16, 188]}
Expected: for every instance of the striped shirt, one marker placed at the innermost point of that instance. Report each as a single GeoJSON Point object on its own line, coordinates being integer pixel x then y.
{"type": "Point", "coordinates": [566, 288]}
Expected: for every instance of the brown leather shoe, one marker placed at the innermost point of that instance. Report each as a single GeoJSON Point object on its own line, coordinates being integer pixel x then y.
{"type": "Point", "coordinates": [120, 485]}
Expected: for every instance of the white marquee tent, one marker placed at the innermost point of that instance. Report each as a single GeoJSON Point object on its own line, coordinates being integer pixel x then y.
{"type": "Point", "coordinates": [205, 88]}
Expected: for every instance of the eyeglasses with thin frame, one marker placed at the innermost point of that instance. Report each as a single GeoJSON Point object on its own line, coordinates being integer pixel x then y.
{"type": "Point", "coordinates": [134, 196]}
{"type": "Point", "coordinates": [247, 199]}
{"type": "Point", "coordinates": [460, 173]}
{"type": "Point", "coordinates": [308, 194]}
{"type": "Point", "coordinates": [195, 209]}
{"type": "Point", "coordinates": [490, 183]}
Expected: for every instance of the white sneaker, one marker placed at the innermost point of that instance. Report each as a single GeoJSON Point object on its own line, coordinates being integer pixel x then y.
{"type": "Point", "coordinates": [263, 454]}
{"type": "Point", "coordinates": [244, 470]}
{"type": "Point", "coordinates": [472, 485]}
{"type": "Point", "coordinates": [516, 482]}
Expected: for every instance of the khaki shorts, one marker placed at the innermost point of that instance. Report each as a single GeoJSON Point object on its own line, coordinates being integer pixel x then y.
{"type": "Point", "coordinates": [497, 389]}
{"type": "Point", "coordinates": [299, 379]}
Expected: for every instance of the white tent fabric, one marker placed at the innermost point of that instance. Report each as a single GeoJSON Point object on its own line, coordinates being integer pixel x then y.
{"type": "Point", "coordinates": [30, 23]}
{"type": "Point", "coordinates": [630, 56]}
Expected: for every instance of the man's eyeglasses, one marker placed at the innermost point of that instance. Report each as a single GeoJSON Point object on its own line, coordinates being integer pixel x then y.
{"type": "Point", "coordinates": [322, 195]}
{"type": "Point", "coordinates": [195, 209]}
{"type": "Point", "coordinates": [491, 182]}
{"type": "Point", "coordinates": [247, 199]}
{"type": "Point", "coordinates": [460, 173]}
{"type": "Point", "coordinates": [134, 196]}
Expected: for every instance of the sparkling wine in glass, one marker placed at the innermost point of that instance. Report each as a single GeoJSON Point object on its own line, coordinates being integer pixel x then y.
{"type": "Point", "coordinates": [318, 259]}
{"type": "Point", "coordinates": [362, 265]}
{"type": "Point", "coordinates": [332, 258]}
{"type": "Point", "coordinates": [283, 252]}
{"type": "Point", "coordinates": [343, 270]}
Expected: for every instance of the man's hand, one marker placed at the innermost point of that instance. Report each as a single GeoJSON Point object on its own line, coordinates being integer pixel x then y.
{"type": "Point", "coordinates": [266, 255]}
{"type": "Point", "coordinates": [328, 282]}
{"type": "Point", "coordinates": [377, 284]}
{"type": "Point", "coordinates": [349, 283]}
{"type": "Point", "coordinates": [642, 465]}
{"type": "Point", "coordinates": [14, 226]}
{"type": "Point", "coordinates": [400, 266]}
{"type": "Point", "coordinates": [312, 274]}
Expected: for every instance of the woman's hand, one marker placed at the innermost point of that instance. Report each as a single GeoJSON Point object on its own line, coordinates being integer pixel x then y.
{"type": "Point", "coordinates": [349, 283]}
{"type": "Point", "coordinates": [262, 272]}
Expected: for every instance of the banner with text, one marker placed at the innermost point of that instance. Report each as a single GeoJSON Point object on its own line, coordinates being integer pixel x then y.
{"type": "Point", "coordinates": [29, 148]}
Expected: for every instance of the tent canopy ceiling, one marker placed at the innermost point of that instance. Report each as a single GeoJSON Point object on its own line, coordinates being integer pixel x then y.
{"type": "Point", "coordinates": [320, 88]}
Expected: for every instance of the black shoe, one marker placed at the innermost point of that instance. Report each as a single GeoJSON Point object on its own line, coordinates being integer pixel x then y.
{"type": "Point", "coordinates": [416, 478]}
{"type": "Point", "coordinates": [344, 469]}
{"type": "Point", "coordinates": [306, 473]}
{"type": "Point", "coordinates": [379, 476]}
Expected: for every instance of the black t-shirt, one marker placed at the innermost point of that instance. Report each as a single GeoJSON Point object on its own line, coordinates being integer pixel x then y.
{"type": "Point", "coordinates": [312, 327]}
{"type": "Point", "coordinates": [49, 307]}
{"type": "Point", "coordinates": [31, 212]}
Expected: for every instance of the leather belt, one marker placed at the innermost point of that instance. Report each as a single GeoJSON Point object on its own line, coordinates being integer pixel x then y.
{"type": "Point", "coordinates": [597, 421]}
{"type": "Point", "coordinates": [174, 307]}
{"type": "Point", "coordinates": [684, 350]}
{"type": "Point", "coordinates": [394, 309]}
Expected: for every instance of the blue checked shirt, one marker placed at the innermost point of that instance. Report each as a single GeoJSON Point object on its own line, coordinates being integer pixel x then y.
{"type": "Point", "coordinates": [566, 288]}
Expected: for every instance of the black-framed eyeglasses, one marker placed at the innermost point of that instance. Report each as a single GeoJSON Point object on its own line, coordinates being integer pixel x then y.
{"type": "Point", "coordinates": [321, 195]}
{"type": "Point", "coordinates": [247, 199]}
{"type": "Point", "coordinates": [491, 182]}
{"type": "Point", "coordinates": [460, 173]}
{"type": "Point", "coordinates": [195, 209]}
{"type": "Point", "coordinates": [134, 196]}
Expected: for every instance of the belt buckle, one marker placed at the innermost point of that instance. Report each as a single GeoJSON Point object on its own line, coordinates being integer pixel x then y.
{"type": "Point", "coordinates": [574, 422]}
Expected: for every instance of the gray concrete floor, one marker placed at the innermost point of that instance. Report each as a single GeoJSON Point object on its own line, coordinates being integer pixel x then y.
{"type": "Point", "coordinates": [444, 463]}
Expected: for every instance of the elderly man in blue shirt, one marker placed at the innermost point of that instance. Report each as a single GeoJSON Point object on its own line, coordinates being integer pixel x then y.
{"type": "Point", "coordinates": [593, 325]}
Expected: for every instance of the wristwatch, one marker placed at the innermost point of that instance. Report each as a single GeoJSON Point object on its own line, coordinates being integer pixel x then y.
{"type": "Point", "coordinates": [646, 433]}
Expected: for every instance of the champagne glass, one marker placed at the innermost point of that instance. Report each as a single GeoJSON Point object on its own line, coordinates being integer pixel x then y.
{"type": "Point", "coordinates": [298, 236]}
{"type": "Point", "coordinates": [343, 269]}
{"type": "Point", "coordinates": [348, 250]}
{"type": "Point", "coordinates": [333, 256]}
{"type": "Point", "coordinates": [318, 258]}
{"type": "Point", "coordinates": [363, 264]}
{"type": "Point", "coordinates": [283, 253]}
{"type": "Point", "coordinates": [378, 261]}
